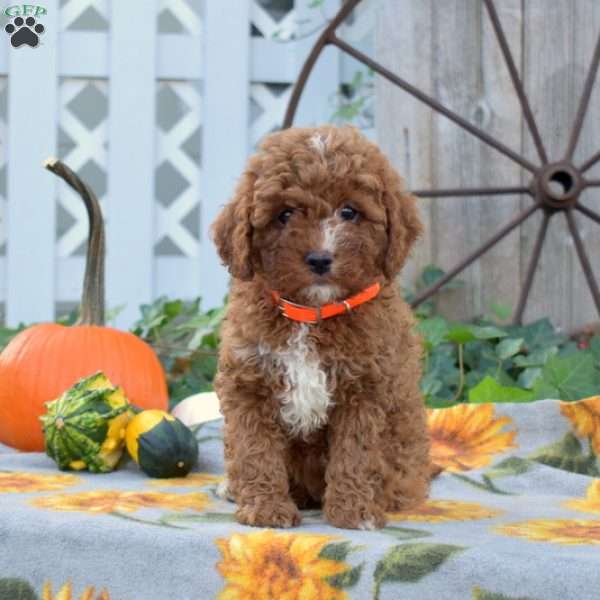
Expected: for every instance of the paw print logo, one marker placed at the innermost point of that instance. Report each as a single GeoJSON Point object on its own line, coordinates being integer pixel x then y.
{"type": "Point", "coordinates": [24, 31]}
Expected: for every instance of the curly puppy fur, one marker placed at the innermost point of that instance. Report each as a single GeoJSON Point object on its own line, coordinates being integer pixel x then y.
{"type": "Point", "coordinates": [327, 414]}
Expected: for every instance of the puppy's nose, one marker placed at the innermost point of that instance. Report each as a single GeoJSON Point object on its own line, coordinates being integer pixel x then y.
{"type": "Point", "coordinates": [319, 262]}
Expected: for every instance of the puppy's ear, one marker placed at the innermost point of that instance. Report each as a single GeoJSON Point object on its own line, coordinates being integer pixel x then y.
{"type": "Point", "coordinates": [404, 226]}
{"type": "Point", "coordinates": [232, 230]}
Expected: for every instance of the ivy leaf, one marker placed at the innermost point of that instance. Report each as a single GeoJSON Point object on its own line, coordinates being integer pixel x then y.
{"type": "Point", "coordinates": [489, 390]}
{"type": "Point", "coordinates": [69, 318]}
{"type": "Point", "coordinates": [412, 562]}
{"type": "Point", "coordinates": [431, 385]}
{"type": "Point", "coordinates": [568, 349]}
{"type": "Point", "coordinates": [501, 311]}
{"type": "Point", "coordinates": [472, 378]}
{"type": "Point", "coordinates": [463, 333]}
{"type": "Point", "coordinates": [568, 378]}
{"type": "Point", "coordinates": [529, 377]}
{"type": "Point", "coordinates": [432, 274]}
{"type": "Point", "coordinates": [514, 465]}
{"type": "Point", "coordinates": [538, 334]}
{"type": "Point", "coordinates": [357, 80]}
{"type": "Point", "coordinates": [594, 348]}
{"type": "Point", "coordinates": [113, 313]}
{"type": "Point", "coordinates": [433, 330]}
{"type": "Point", "coordinates": [16, 589]}
{"type": "Point", "coordinates": [460, 334]}
{"type": "Point", "coordinates": [442, 361]}
{"type": "Point", "coordinates": [509, 347]}
{"type": "Point", "coordinates": [349, 110]}
{"type": "Point", "coordinates": [481, 356]}
{"type": "Point", "coordinates": [488, 332]}
{"type": "Point", "coordinates": [538, 358]}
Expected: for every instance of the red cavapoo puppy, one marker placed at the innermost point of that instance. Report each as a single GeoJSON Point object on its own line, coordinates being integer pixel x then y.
{"type": "Point", "coordinates": [319, 368]}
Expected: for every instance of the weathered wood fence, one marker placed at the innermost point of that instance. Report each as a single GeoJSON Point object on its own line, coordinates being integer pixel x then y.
{"type": "Point", "coordinates": [449, 51]}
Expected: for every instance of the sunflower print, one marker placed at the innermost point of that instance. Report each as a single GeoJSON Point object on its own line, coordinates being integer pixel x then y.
{"type": "Point", "coordinates": [468, 436]}
{"type": "Point", "coordinates": [585, 418]}
{"type": "Point", "coordinates": [591, 502]}
{"type": "Point", "coordinates": [117, 501]}
{"type": "Point", "coordinates": [22, 482]}
{"type": "Point", "coordinates": [195, 480]}
{"type": "Point", "coordinates": [560, 531]}
{"type": "Point", "coordinates": [267, 564]}
{"type": "Point", "coordinates": [443, 511]}
{"type": "Point", "coordinates": [66, 593]}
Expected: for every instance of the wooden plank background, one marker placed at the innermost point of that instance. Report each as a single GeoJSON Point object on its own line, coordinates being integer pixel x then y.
{"type": "Point", "coordinates": [448, 50]}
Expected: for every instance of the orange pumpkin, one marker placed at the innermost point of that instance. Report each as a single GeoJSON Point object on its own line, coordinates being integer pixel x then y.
{"type": "Point", "coordinates": [43, 361]}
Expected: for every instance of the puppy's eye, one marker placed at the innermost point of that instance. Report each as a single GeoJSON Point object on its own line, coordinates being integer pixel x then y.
{"type": "Point", "coordinates": [349, 214]}
{"type": "Point", "coordinates": [284, 216]}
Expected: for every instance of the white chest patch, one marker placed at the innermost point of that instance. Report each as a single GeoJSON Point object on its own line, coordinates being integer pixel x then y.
{"type": "Point", "coordinates": [306, 397]}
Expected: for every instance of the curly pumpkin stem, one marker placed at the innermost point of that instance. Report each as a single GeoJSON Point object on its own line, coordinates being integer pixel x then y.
{"type": "Point", "coordinates": [91, 310]}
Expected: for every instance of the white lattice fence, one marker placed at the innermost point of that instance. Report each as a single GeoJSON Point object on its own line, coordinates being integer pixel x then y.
{"type": "Point", "coordinates": [159, 118]}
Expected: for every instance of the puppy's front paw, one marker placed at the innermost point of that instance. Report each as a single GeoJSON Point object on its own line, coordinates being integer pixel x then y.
{"type": "Point", "coordinates": [224, 492]}
{"type": "Point", "coordinates": [272, 513]}
{"type": "Point", "coordinates": [365, 517]}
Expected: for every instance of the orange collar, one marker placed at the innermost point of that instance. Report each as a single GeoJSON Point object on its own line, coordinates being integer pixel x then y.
{"type": "Point", "coordinates": [308, 314]}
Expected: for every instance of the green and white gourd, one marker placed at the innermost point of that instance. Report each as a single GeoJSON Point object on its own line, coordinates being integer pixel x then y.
{"type": "Point", "coordinates": [85, 427]}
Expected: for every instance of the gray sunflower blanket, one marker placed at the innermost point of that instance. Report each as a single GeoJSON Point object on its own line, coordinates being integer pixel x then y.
{"type": "Point", "coordinates": [515, 515]}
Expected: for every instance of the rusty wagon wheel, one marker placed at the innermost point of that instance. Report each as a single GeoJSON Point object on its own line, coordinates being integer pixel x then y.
{"type": "Point", "coordinates": [555, 186]}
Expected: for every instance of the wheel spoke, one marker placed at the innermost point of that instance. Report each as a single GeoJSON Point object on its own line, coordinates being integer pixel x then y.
{"type": "Point", "coordinates": [323, 40]}
{"type": "Point", "coordinates": [433, 103]}
{"type": "Point", "coordinates": [588, 212]}
{"type": "Point", "coordinates": [425, 294]}
{"type": "Point", "coordinates": [471, 192]}
{"type": "Point", "coordinates": [590, 162]}
{"type": "Point", "coordinates": [592, 183]}
{"type": "Point", "coordinates": [583, 104]}
{"type": "Point", "coordinates": [531, 269]}
{"type": "Point", "coordinates": [517, 83]}
{"type": "Point", "coordinates": [583, 259]}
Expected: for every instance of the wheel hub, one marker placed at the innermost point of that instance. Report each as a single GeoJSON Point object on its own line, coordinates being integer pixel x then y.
{"type": "Point", "coordinates": [560, 185]}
